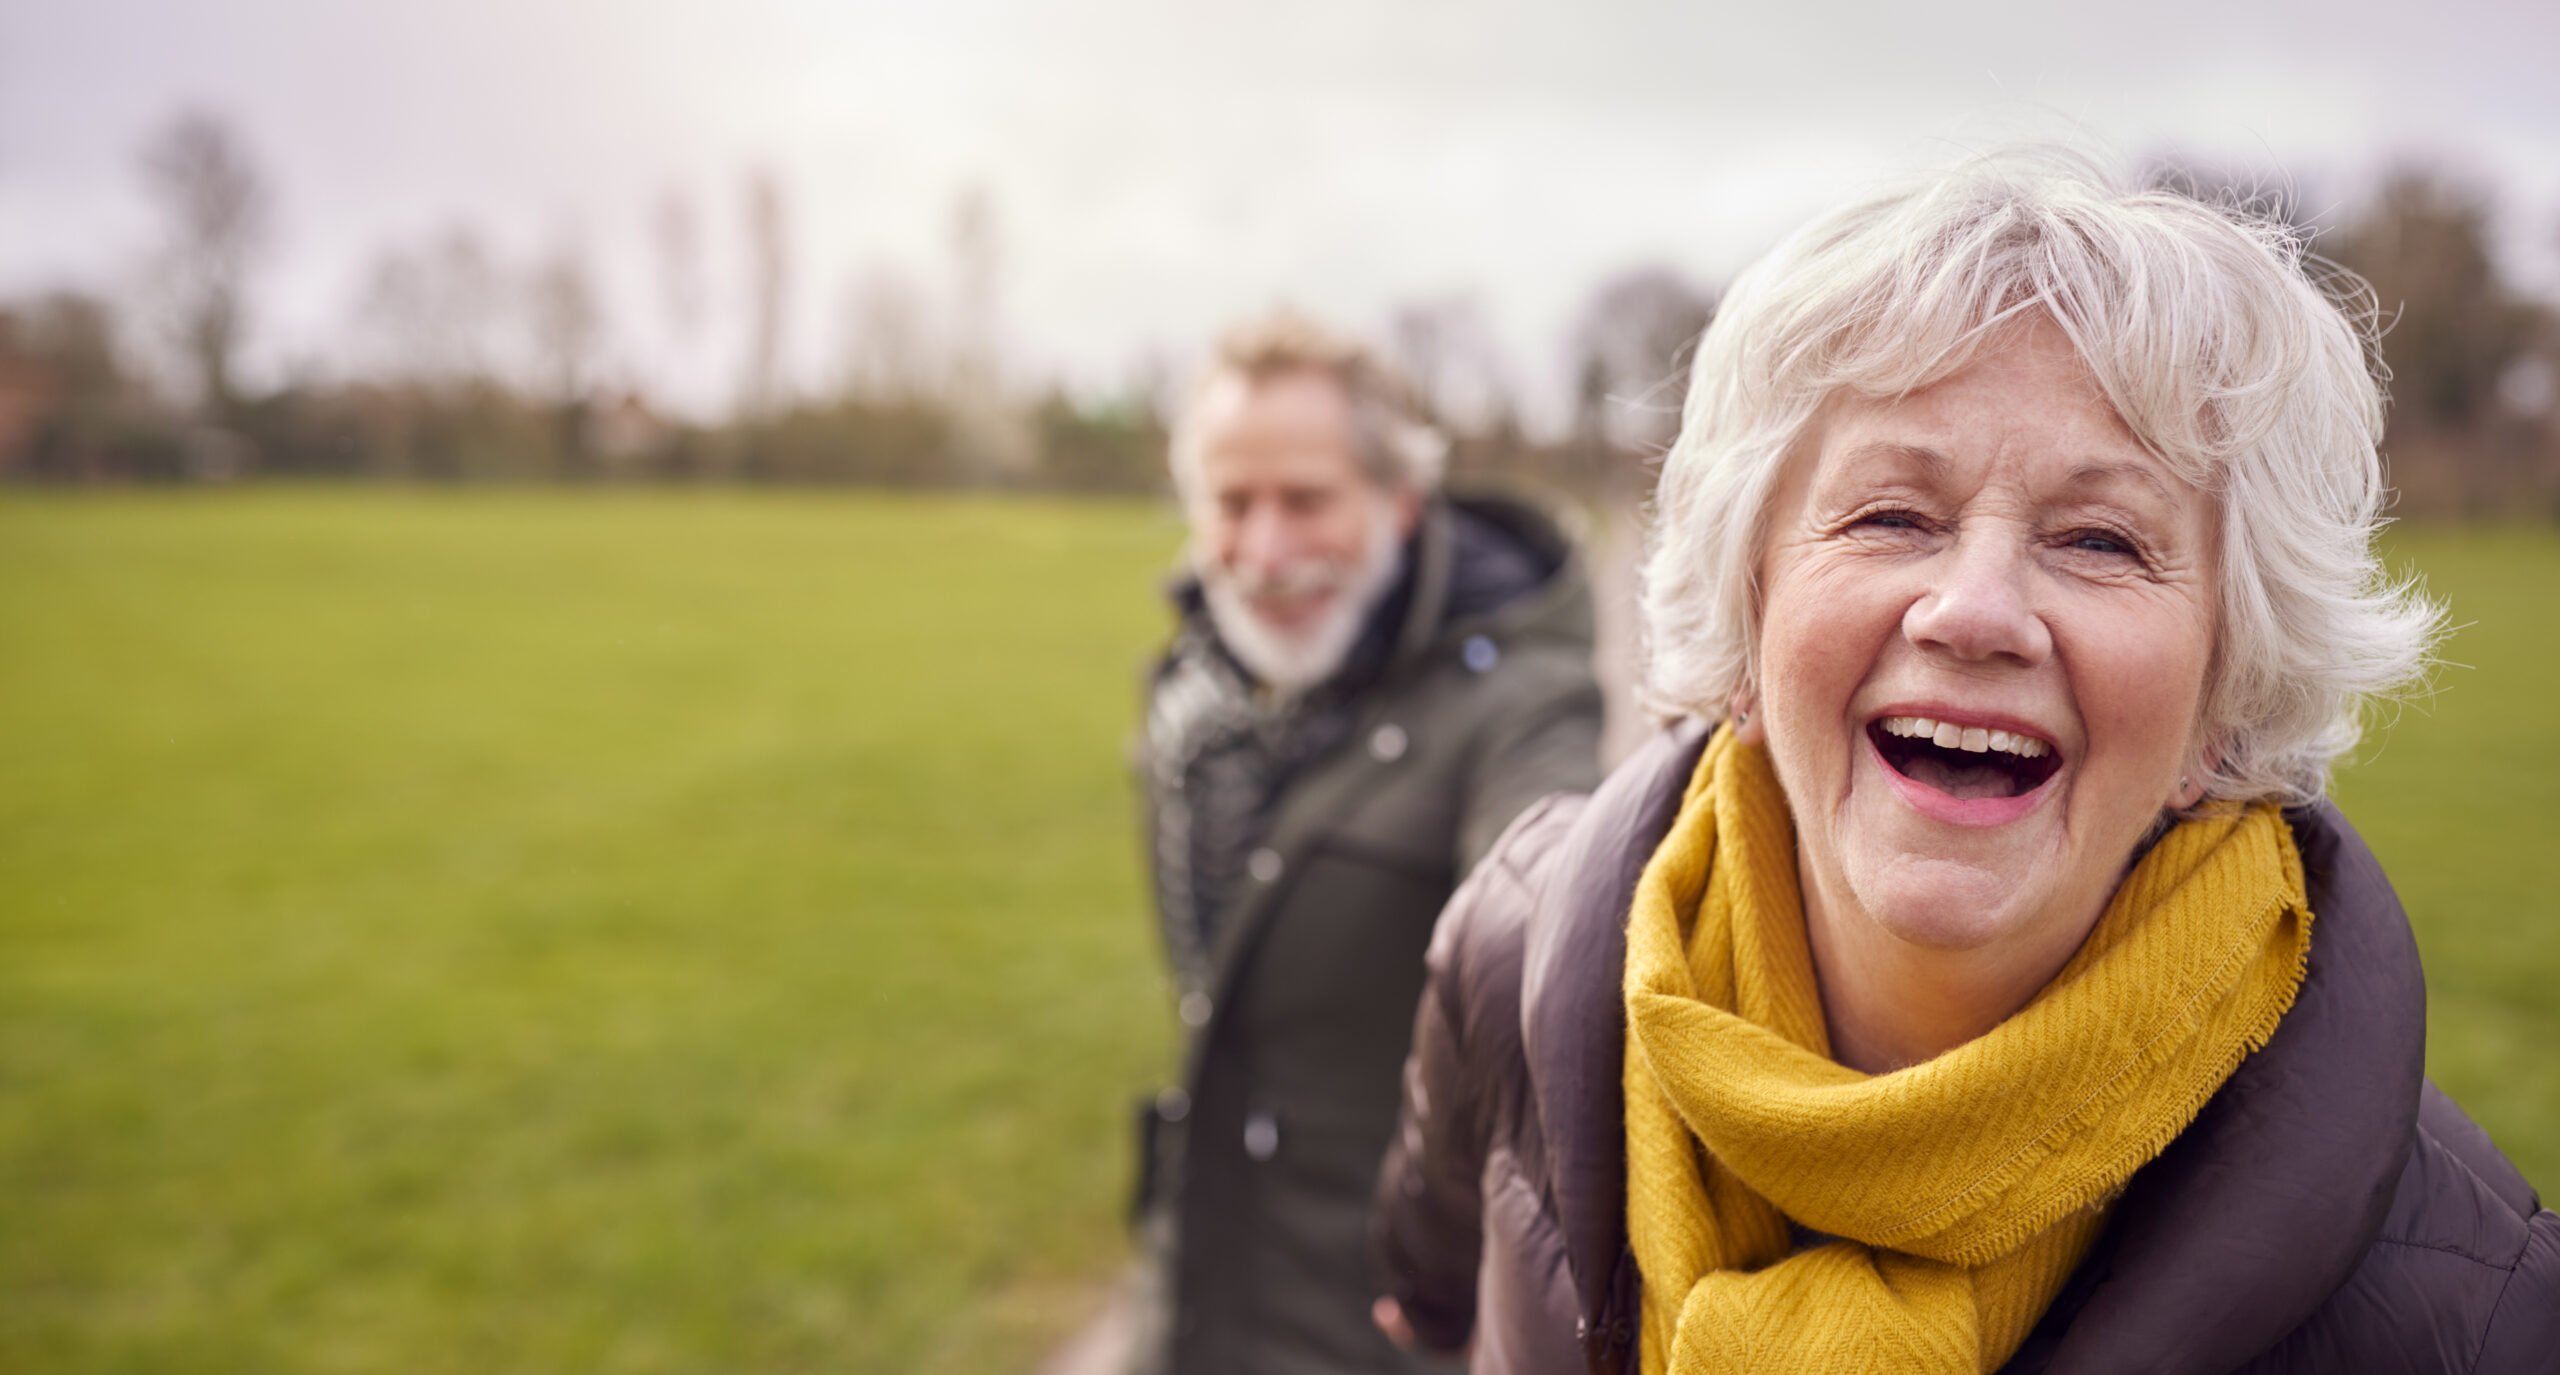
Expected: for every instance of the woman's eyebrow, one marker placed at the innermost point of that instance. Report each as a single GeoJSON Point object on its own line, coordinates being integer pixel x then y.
{"type": "Point", "coordinates": [1932, 464]}
{"type": "Point", "coordinates": [2107, 473]}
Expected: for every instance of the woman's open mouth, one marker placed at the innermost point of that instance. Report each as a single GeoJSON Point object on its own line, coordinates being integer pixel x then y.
{"type": "Point", "coordinates": [1967, 763]}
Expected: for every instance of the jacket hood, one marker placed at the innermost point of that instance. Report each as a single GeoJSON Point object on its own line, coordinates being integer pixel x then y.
{"type": "Point", "coordinates": [1493, 565]}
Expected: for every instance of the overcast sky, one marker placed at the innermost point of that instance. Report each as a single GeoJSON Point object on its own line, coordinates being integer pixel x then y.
{"type": "Point", "coordinates": [1158, 166]}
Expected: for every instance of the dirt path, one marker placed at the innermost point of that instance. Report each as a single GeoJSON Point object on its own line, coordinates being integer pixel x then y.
{"type": "Point", "coordinates": [1102, 1348]}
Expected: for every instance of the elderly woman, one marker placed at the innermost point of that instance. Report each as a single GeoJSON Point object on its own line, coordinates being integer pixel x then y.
{"type": "Point", "coordinates": [1990, 987]}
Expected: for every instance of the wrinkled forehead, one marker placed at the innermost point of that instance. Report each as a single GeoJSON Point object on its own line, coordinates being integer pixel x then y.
{"type": "Point", "coordinates": [2023, 416]}
{"type": "Point", "coordinates": [1226, 388]}
{"type": "Point", "coordinates": [1292, 426]}
{"type": "Point", "coordinates": [2137, 406]}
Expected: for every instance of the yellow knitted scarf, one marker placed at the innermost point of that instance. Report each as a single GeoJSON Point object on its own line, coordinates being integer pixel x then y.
{"type": "Point", "coordinates": [1963, 1190]}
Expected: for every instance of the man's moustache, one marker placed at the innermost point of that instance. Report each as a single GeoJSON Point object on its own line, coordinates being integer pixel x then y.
{"type": "Point", "coordinates": [1290, 581]}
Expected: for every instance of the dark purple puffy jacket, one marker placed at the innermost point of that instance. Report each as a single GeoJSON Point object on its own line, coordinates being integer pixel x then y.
{"type": "Point", "coordinates": [2329, 1210]}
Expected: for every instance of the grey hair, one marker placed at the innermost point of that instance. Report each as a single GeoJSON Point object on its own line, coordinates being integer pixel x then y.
{"type": "Point", "coordinates": [1395, 447]}
{"type": "Point", "coordinates": [2229, 351]}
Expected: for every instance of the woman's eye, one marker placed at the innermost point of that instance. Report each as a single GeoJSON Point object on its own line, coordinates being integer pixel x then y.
{"type": "Point", "coordinates": [2100, 542]}
{"type": "Point", "coordinates": [1892, 520]}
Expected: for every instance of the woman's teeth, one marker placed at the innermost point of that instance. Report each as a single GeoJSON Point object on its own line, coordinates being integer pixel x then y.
{"type": "Point", "coordinates": [1973, 739]}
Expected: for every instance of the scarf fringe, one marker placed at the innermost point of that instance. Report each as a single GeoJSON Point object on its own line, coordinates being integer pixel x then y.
{"type": "Point", "coordinates": [2139, 1150]}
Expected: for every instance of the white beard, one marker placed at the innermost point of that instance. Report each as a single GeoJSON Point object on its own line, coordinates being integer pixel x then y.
{"type": "Point", "coordinates": [1291, 661]}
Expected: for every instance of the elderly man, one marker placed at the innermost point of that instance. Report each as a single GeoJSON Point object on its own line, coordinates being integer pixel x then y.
{"type": "Point", "coordinates": [1369, 680]}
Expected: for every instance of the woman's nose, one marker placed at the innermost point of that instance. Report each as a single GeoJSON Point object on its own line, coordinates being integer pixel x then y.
{"type": "Point", "coordinates": [1976, 607]}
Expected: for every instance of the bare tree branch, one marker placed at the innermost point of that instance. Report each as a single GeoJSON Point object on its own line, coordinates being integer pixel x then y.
{"type": "Point", "coordinates": [216, 204]}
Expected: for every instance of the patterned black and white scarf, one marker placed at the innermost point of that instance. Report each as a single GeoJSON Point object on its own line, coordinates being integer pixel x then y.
{"type": "Point", "coordinates": [1221, 751]}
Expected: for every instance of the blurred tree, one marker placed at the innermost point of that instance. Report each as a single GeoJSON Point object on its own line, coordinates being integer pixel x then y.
{"type": "Point", "coordinates": [2463, 349]}
{"type": "Point", "coordinates": [566, 325]}
{"type": "Point", "coordinates": [2452, 324]}
{"type": "Point", "coordinates": [974, 253]}
{"type": "Point", "coordinates": [567, 328]}
{"type": "Point", "coordinates": [429, 316]}
{"type": "Point", "coordinates": [1446, 349]}
{"type": "Point", "coordinates": [1113, 447]}
{"type": "Point", "coordinates": [991, 439]}
{"type": "Point", "coordinates": [768, 285]}
{"type": "Point", "coordinates": [69, 406]}
{"type": "Point", "coordinates": [850, 440]}
{"type": "Point", "coordinates": [888, 342]}
{"type": "Point", "coordinates": [1631, 347]}
{"type": "Point", "coordinates": [216, 207]}
{"type": "Point", "coordinates": [676, 235]}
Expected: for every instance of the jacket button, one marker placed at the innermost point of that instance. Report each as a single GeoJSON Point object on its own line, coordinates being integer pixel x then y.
{"type": "Point", "coordinates": [1261, 1135]}
{"type": "Point", "coordinates": [1387, 742]}
{"type": "Point", "coordinates": [1173, 1105]}
{"type": "Point", "coordinates": [1264, 864]}
{"type": "Point", "coordinates": [1195, 1008]}
{"type": "Point", "coordinates": [1479, 654]}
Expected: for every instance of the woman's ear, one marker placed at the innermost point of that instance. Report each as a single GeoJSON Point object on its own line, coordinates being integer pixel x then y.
{"type": "Point", "coordinates": [1742, 711]}
{"type": "Point", "coordinates": [2198, 779]}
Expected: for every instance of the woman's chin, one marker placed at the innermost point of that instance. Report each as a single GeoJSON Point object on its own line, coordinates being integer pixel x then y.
{"type": "Point", "coordinates": [1948, 904]}
{"type": "Point", "coordinates": [1931, 923]}
{"type": "Point", "coordinates": [1940, 881]}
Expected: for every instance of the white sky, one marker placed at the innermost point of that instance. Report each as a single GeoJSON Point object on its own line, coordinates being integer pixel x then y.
{"type": "Point", "coordinates": [1159, 166]}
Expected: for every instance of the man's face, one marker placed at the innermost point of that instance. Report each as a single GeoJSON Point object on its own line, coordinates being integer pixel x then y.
{"type": "Point", "coordinates": [1291, 537]}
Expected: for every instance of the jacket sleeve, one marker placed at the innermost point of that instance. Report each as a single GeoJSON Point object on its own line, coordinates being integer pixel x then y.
{"type": "Point", "coordinates": [2524, 1331]}
{"type": "Point", "coordinates": [1545, 739]}
{"type": "Point", "coordinates": [1464, 1084]}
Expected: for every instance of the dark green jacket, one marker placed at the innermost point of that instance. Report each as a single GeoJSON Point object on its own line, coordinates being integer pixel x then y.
{"type": "Point", "coordinates": [1300, 1014]}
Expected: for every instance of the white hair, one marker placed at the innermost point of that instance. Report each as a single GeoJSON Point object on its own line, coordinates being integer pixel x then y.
{"type": "Point", "coordinates": [1395, 447]}
{"type": "Point", "coordinates": [2237, 358]}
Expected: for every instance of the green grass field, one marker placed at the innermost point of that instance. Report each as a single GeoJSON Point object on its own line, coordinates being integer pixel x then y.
{"type": "Point", "coordinates": [669, 932]}
{"type": "Point", "coordinates": [2460, 797]}
{"type": "Point", "coordinates": [546, 932]}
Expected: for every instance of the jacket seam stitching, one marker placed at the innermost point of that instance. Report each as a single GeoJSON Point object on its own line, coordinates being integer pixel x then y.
{"type": "Point", "coordinates": [2509, 1266]}
{"type": "Point", "coordinates": [2482, 1350]}
{"type": "Point", "coordinates": [2477, 1182]}
{"type": "Point", "coordinates": [1506, 859]}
